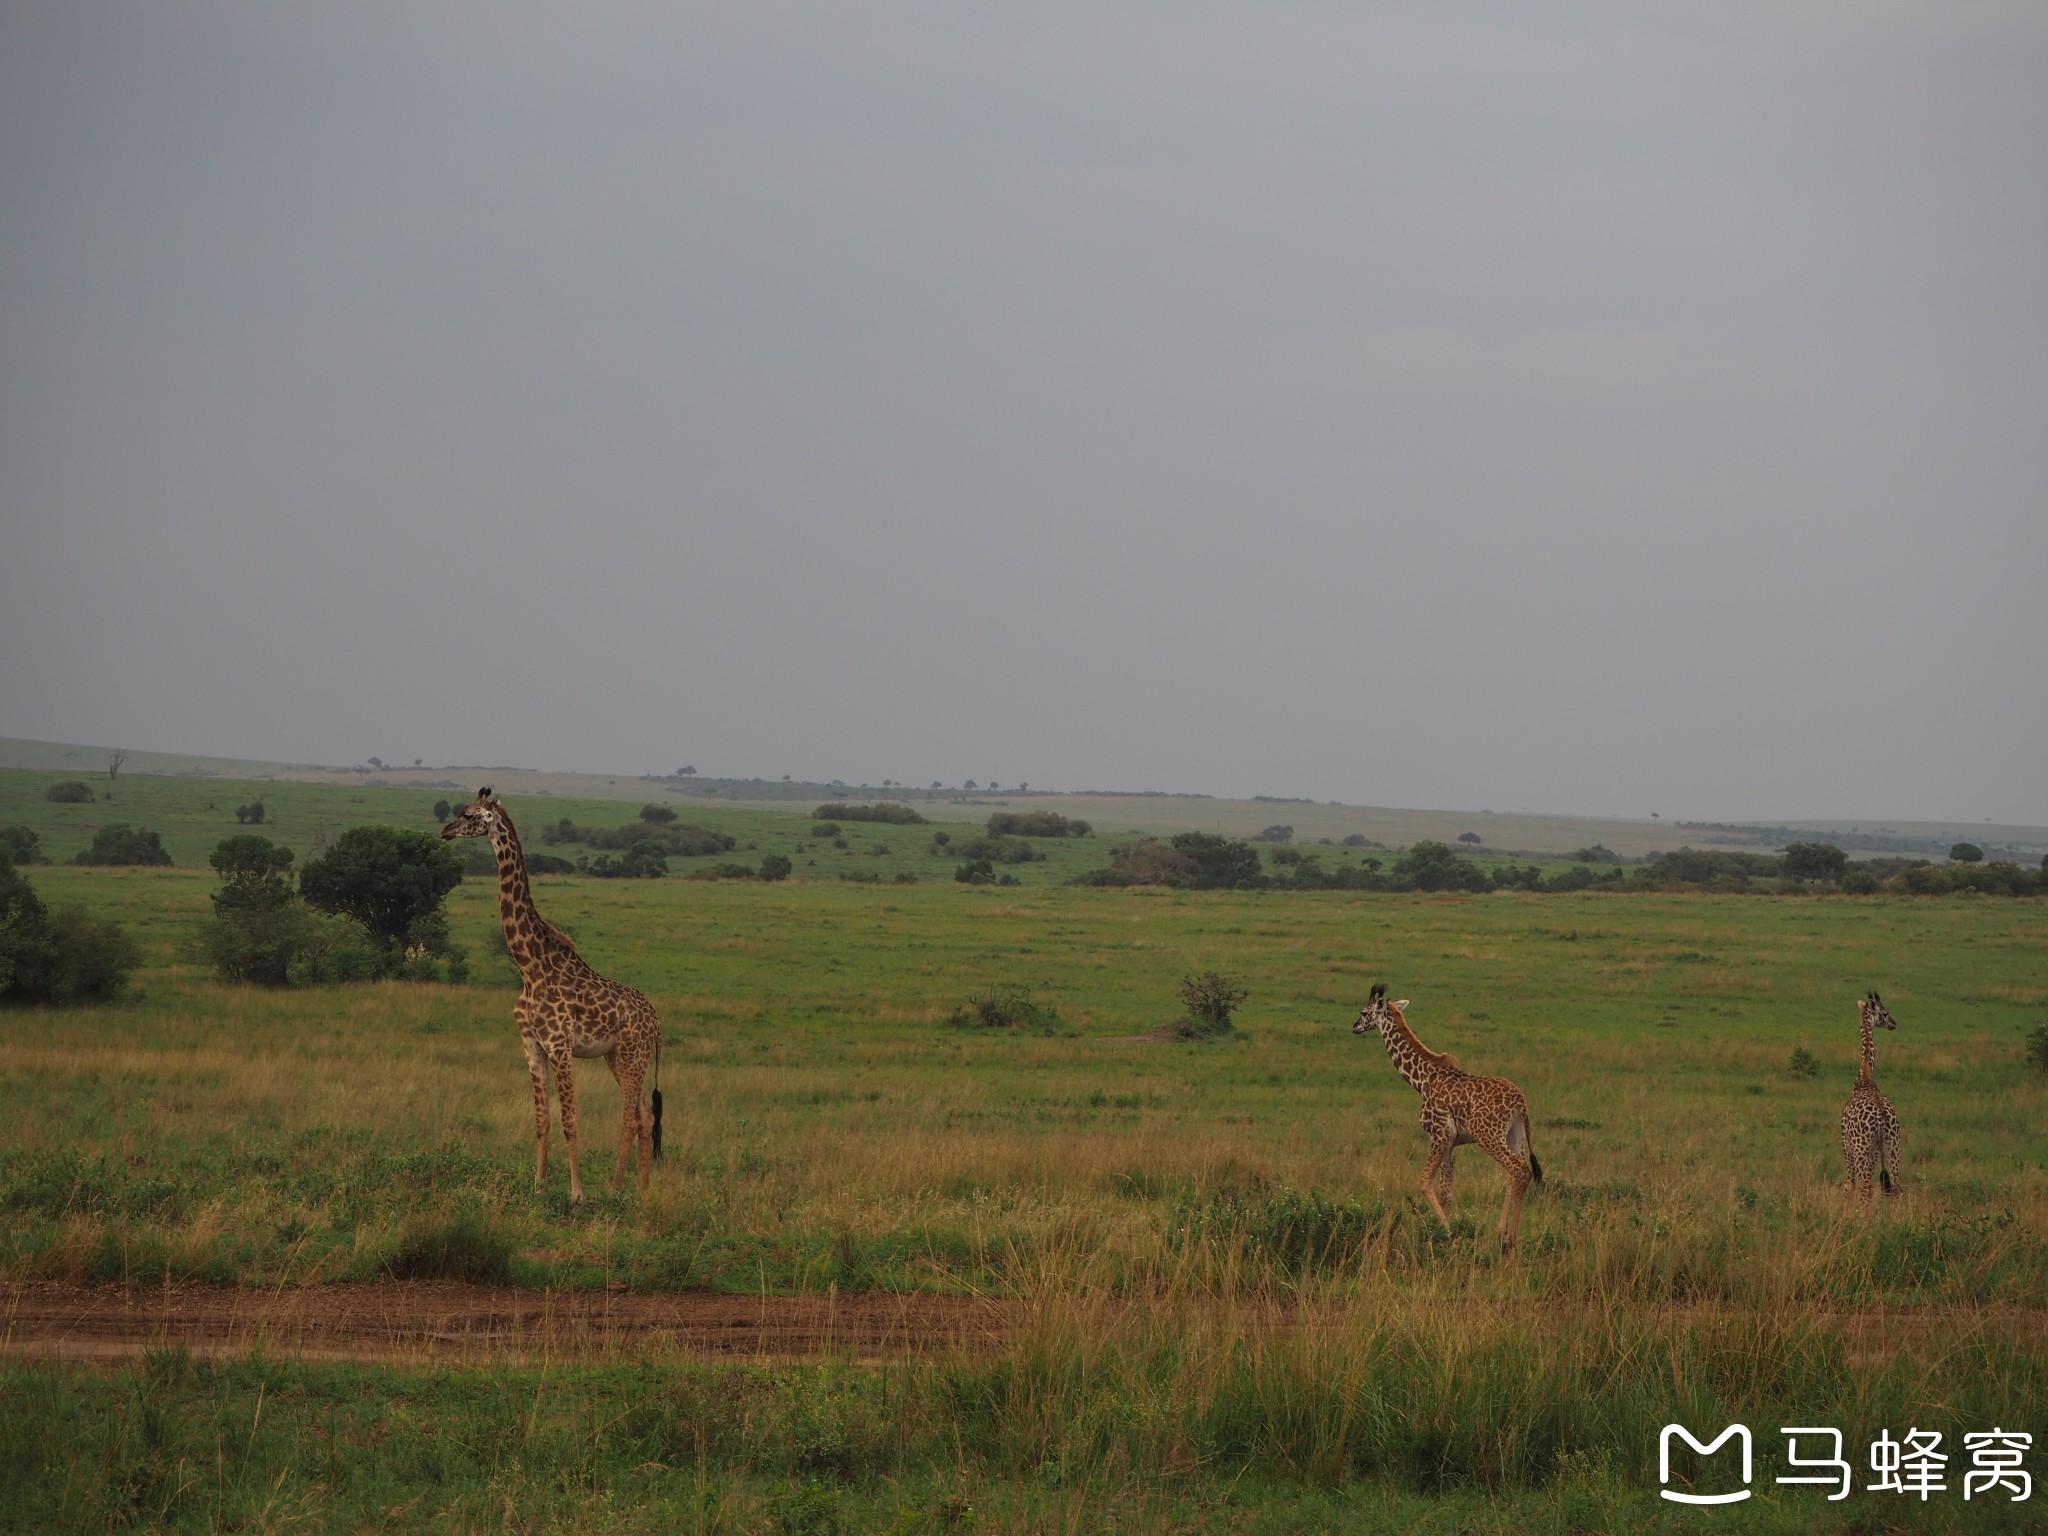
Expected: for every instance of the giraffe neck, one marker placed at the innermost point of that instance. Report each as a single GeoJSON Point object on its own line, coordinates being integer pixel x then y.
{"type": "Point", "coordinates": [1868, 1073]}
{"type": "Point", "coordinates": [532, 940]}
{"type": "Point", "coordinates": [1416, 1063]}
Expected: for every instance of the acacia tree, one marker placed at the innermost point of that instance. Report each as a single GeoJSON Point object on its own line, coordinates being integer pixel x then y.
{"type": "Point", "coordinates": [390, 880]}
{"type": "Point", "coordinates": [115, 759]}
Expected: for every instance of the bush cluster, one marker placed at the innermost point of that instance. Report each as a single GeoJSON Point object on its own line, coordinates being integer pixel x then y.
{"type": "Point", "coordinates": [370, 907]}
{"type": "Point", "coordinates": [21, 845]}
{"type": "Point", "coordinates": [1036, 824]}
{"type": "Point", "coordinates": [66, 956]}
{"type": "Point", "coordinates": [682, 840]}
{"type": "Point", "coordinates": [119, 843]}
{"type": "Point", "coordinates": [69, 792]}
{"type": "Point", "coordinates": [892, 811]}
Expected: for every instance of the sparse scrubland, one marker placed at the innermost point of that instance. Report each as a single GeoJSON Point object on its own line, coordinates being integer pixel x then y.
{"type": "Point", "coordinates": [1233, 1311]}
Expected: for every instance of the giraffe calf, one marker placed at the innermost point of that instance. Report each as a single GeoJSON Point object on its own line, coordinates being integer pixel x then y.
{"type": "Point", "coordinates": [1457, 1107]}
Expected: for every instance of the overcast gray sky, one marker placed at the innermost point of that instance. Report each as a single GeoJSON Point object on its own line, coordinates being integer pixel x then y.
{"type": "Point", "coordinates": [1591, 408]}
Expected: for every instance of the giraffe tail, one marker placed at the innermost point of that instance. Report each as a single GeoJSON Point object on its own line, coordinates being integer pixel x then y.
{"type": "Point", "coordinates": [656, 1135]}
{"type": "Point", "coordinates": [1518, 1140]}
{"type": "Point", "coordinates": [1884, 1177]}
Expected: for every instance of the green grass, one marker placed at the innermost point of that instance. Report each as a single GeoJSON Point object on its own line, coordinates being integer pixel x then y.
{"type": "Point", "coordinates": [1163, 1208]}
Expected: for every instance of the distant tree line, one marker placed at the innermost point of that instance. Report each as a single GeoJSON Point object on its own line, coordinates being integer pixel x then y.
{"type": "Point", "coordinates": [1205, 861]}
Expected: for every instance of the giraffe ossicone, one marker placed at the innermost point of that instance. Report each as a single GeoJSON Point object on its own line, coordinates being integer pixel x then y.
{"type": "Point", "coordinates": [1457, 1107]}
{"type": "Point", "coordinates": [566, 1010]}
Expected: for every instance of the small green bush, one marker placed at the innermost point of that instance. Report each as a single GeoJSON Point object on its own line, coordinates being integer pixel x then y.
{"type": "Point", "coordinates": [1006, 1008]}
{"type": "Point", "coordinates": [69, 792]}
{"type": "Point", "coordinates": [1803, 1063]}
{"type": "Point", "coordinates": [2037, 1048]}
{"type": "Point", "coordinates": [659, 815]}
{"type": "Point", "coordinates": [975, 872]}
{"type": "Point", "coordinates": [776, 866]}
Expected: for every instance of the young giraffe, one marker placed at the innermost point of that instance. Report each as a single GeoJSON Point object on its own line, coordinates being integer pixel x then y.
{"type": "Point", "coordinates": [1456, 1108]}
{"type": "Point", "coordinates": [566, 1010]}
{"type": "Point", "coordinates": [1870, 1126]}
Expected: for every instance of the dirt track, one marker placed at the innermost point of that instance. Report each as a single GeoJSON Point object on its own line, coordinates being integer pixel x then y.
{"type": "Point", "coordinates": [446, 1320]}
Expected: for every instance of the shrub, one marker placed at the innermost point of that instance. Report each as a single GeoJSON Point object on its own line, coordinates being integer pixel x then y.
{"type": "Point", "coordinates": [1803, 1063]}
{"type": "Point", "coordinates": [1277, 834]}
{"type": "Point", "coordinates": [466, 1247]}
{"type": "Point", "coordinates": [1579, 877]}
{"type": "Point", "coordinates": [252, 814]}
{"type": "Point", "coordinates": [1859, 881]}
{"type": "Point", "coordinates": [22, 845]}
{"type": "Point", "coordinates": [1358, 840]}
{"type": "Point", "coordinates": [975, 872]}
{"type": "Point", "coordinates": [1145, 861]}
{"type": "Point", "coordinates": [728, 872]}
{"type": "Point", "coordinates": [69, 792]}
{"type": "Point", "coordinates": [776, 866]}
{"type": "Point", "coordinates": [119, 843]}
{"type": "Point", "coordinates": [1036, 824]}
{"type": "Point", "coordinates": [997, 850]}
{"type": "Point", "coordinates": [536, 864]}
{"type": "Point", "coordinates": [642, 861]}
{"type": "Point", "coordinates": [1599, 853]}
{"type": "Point", "coordinates": [64, 957]}
{"type": "Point", "coordinates": [660, 815]}
{"type": "Point", "coordinates": [1221, 863]}
{"type": "Point", "coordinates": [1006, 1008]}
{"type": "Point", "coordinates": [2037, 1049]}
{"type": "Point", "coordinates": [884, 810]}
{"type": "Point", "coordinates": [1926, 880]}
{"type": "Point", "coordinates": [1283, 857]}
{"type": "Point", "coordinates": [443, 810]}
{"type": "Point", "coordinates": [1434, 866]}
{"type": "Point", "coordinates": [393, 883]}
{"type": "Point", "coordinates": [1210, 999]}
{"type": "Point", "coordinates": [831, 829]}
{"type": "Point", "coordinates": [1814, 861]}
{"type": "Point", "coordinates": [684, 840]}
{"type": "Point", "coordinates": [1966, 853]}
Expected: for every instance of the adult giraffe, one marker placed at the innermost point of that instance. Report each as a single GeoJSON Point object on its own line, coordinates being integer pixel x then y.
{"type": "Point", "coordinates": [566, 1010]}
{"type": "Point", "coordinates": [1457, 1108]}
{"type": "Point", "coordinates": [1870, 1126]}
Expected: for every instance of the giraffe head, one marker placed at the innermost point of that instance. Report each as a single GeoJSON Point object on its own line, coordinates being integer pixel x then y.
{"type": "Point", "coordinates": [1875, 1013]}
{"type": "Point", "coordinates": [479, 818]}
{"type": "Point", "coordinates": [1377, 1010]}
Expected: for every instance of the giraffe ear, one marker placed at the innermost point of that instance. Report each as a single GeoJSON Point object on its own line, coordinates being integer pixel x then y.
{"type": "Point", "coordinates": [1401, 1006]}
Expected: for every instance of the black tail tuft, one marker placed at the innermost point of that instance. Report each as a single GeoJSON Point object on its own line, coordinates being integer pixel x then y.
{"type": "Point", "coordinates": [1884, 1177]}
{"type": "Point", "coordinates": [1535, 1168]}
{"type": "Point", "coordinates": [657, 1122]}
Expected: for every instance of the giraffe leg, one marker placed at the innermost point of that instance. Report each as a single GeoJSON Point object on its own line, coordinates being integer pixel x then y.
{"type": "Point", "coordinates": [535, 1071]}
{"type": "Point", "coordinates": [1517, 1170]}
{"type": "Point", "coordinates": [1888, 1159]}
{"type": "Point", "coordinates": [1440, 1150]}
{"type": "Point", "coordinates": [565, 1095]}
{"type": "Point", "coordinates": [633, 1120]}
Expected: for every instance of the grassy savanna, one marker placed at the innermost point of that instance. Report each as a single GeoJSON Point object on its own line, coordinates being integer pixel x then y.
{"type": "Point", "coordinates": [1238, 1315]}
